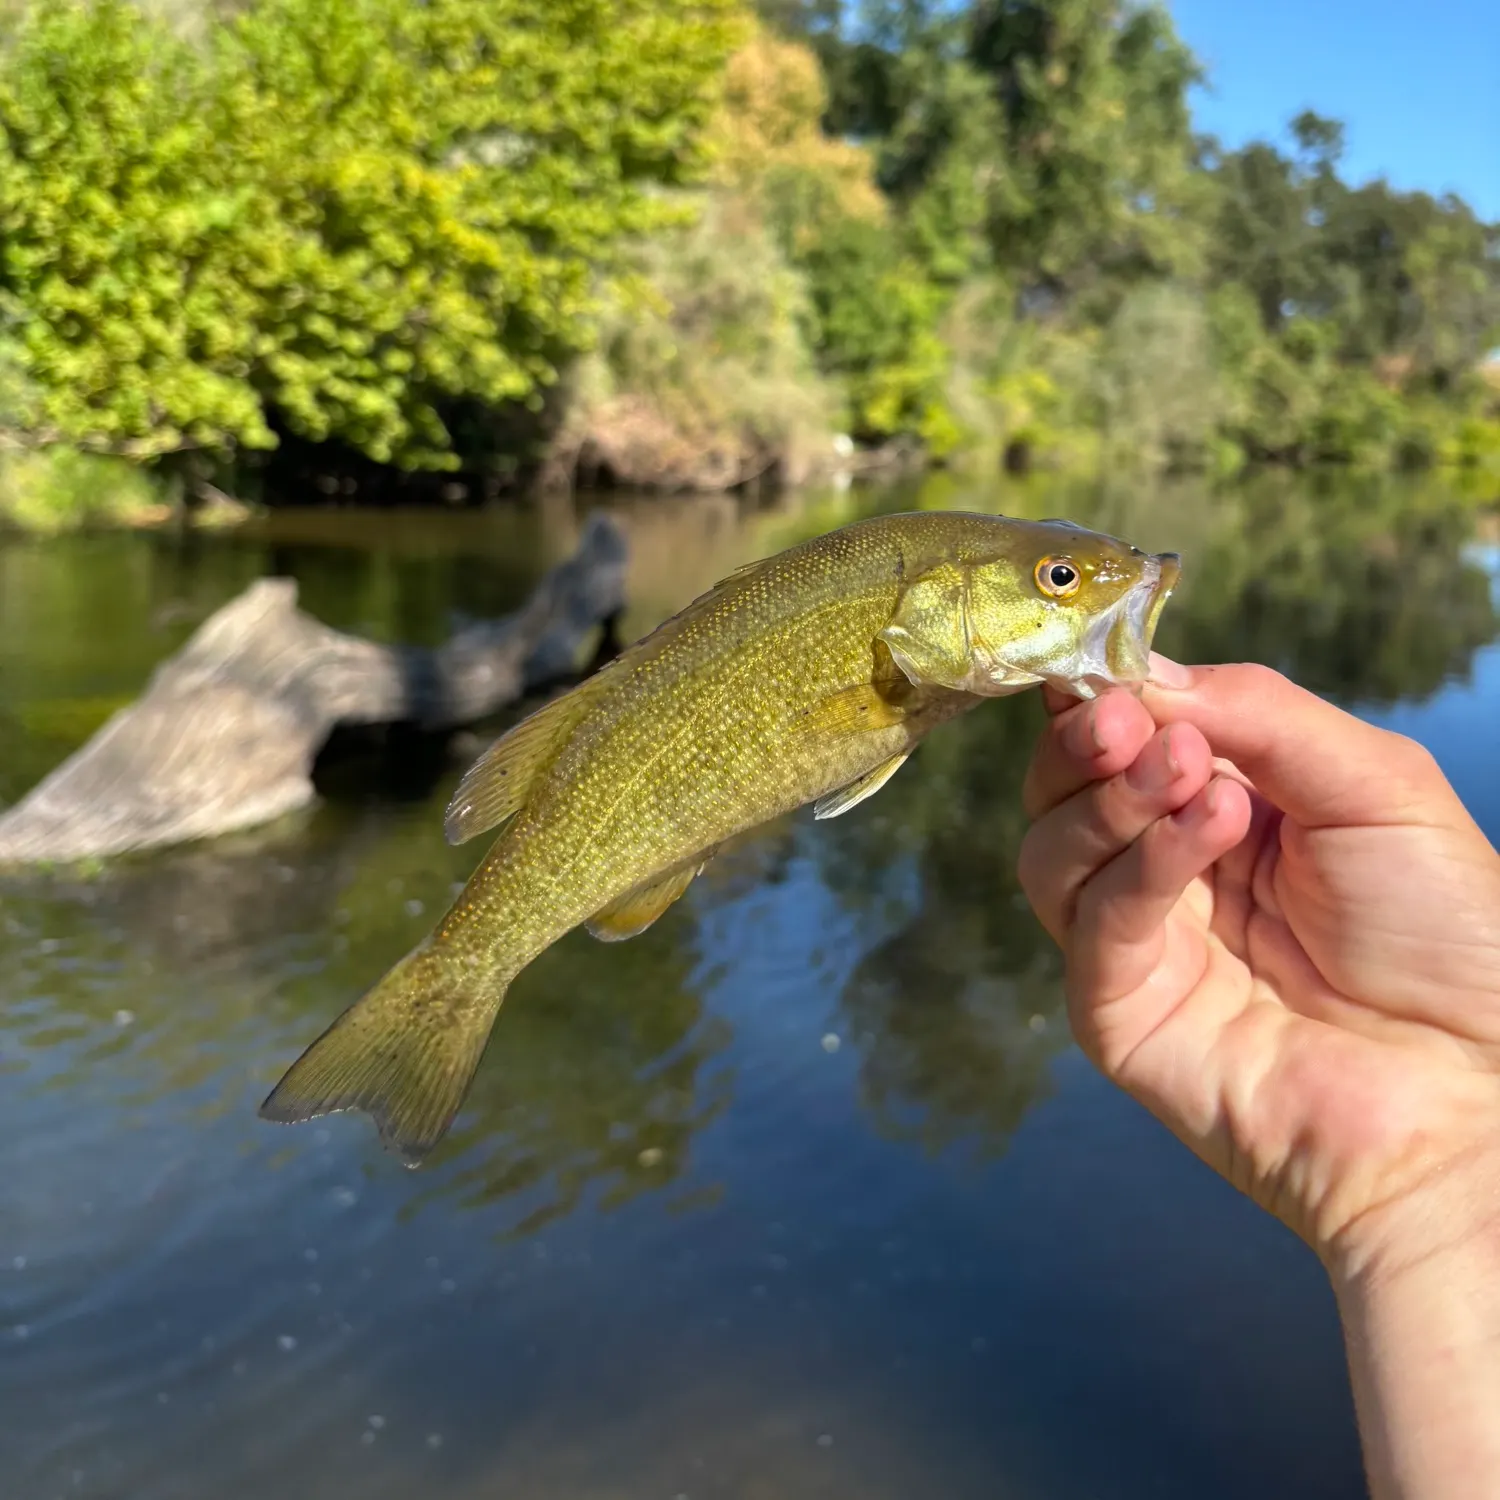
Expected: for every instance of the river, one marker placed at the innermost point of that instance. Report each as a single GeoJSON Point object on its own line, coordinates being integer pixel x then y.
{"type": "Point", "coordinates": [803, 1193]}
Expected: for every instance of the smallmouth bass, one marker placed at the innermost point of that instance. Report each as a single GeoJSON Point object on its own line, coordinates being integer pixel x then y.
{"type": "Point", "coordinates": [809, 676]}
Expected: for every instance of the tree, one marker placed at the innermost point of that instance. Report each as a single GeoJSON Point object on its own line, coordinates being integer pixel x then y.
{"type": "Point", "coordinates": [340, 217]}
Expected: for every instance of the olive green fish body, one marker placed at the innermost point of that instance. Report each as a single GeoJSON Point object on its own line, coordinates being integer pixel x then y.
{"type": "Point", "coordinates": [696, 737]}
{"type": "Point", "coordinates": [806, 673]}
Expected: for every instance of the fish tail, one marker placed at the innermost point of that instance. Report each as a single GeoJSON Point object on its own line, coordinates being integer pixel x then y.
{"type": "Point", "coordinates": [404, 1053]}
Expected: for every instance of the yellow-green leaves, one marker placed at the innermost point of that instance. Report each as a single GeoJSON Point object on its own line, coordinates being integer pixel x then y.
{"type": "Point", "coordinates": [343, 214]}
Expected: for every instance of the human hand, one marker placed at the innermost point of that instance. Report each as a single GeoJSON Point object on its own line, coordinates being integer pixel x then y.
{"type": "Point", "coordinates": [1290, 953]}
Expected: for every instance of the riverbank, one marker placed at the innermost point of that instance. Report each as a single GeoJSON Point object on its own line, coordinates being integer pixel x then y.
{"type": "Point", "coordinates": [60, 491]}
{"type": "Point", "coordinates": [732, 252]}
{"type": "Point", "coordinates": [57, 490]}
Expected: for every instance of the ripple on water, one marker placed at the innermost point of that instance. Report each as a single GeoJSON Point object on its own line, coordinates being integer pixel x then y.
{"type": "Point", "coordinates": [799, 1194]}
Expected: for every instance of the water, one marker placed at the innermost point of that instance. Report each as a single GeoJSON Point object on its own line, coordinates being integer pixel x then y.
{"type": "Point", "coordinates": [804, 1193]}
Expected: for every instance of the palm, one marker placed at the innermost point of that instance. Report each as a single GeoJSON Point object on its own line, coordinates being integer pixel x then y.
{"type": "Point", "coordinates": [1309, 998]}
{"type": "Point", "coordinates": [1306, 967]}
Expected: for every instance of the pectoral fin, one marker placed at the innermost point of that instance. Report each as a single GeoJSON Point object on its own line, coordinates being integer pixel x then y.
{"type": "Point", "coordinates": [856, 792]}
{"type": "Point", "coordinates": [851, 711]}
{"type": "Point", "coordinates": [497, 785]}
{"type": "Point", "coordinates": [631, 914]}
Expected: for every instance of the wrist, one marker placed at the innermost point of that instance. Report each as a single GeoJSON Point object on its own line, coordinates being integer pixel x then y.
{"type": "Point", "coordinates": [1411, 1171]}
{"type": "Point", "coordinates": [1421, 1317]}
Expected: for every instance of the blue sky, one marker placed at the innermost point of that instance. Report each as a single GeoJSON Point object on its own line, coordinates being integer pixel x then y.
{"type": "Point", "coordinates": [1416, 85]}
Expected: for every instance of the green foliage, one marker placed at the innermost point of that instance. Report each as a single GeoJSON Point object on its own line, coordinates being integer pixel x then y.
{"type": "Point", "coordinates": [1158, 385]}
{"type": "Point", "coordinates": [875, 328]}
{"type": "Point", "coordinates": [1052, 137]}
{"type": "Point", "coordinates": [704, 356]}
{"type": "Point", "coordinates": [61, 489]}
{"type": "Point", "coordinates": [113, 206]}
{"type": "Point", "coordinates": [868, 308]}
{"type": "Point", "coordinates": [1384, 272]}
{"type": "Point", "coordinates": [338, 217]}
{"type": "Point", "coordinates": [1172, 303]}
{"type": "Point", "coordinates": [1097, 133]}
{"type": "Point", "coordinates": [983, 228]}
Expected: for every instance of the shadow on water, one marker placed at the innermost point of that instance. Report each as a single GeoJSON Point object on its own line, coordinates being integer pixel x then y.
{"type": "Point", "coordinates": [802, 1193]}
{"type": "Point", "coordinates": [585, 1098]}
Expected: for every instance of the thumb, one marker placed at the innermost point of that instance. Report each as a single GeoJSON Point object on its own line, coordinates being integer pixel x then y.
{"type": "Point", "coordinates": [1320, 765]}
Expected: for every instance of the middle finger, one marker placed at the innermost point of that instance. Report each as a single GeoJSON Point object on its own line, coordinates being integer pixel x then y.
{"type": "Point", "coordinates": [1089, 742]}
{"type": "Point", "coordinates": [1070, 844]}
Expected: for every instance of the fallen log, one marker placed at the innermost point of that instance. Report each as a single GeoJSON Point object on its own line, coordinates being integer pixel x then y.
{"type": "Point", "coordinates": [226, 733]}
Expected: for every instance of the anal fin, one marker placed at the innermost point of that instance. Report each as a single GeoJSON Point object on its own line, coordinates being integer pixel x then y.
{"type": "Point", "coordinates": [631, 914]}
{"type": "Point", "coordinates": [856, 792]}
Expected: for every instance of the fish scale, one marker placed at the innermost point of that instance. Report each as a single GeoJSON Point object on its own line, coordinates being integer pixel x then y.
{"type": "Point", "coordinates": [802, 674]}
{"type": "Point", "coordinates": [681, 754]}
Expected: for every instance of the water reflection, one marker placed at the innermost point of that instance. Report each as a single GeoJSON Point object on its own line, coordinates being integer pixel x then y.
{"type": "Point", "coordinates": [956, 1006]}
{"type": "Point", "coordinates": [581, 1094]}
{"type": "Point", "coordinates": [1365, 594]}
{"type": "Point", "coordinates": [679, 1233]}
{"type": "Point", "coordinates": [598, 1077]}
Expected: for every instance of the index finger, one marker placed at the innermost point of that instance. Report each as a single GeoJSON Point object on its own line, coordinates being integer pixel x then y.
{"type": "Point", "coordinates": [1314, 761]}
{"type": "Point", "coordinates": [1085, 743]}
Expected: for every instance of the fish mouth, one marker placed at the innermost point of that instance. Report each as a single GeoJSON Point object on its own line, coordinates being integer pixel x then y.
{"type": "Point", "coordinates": [1168, 571]}
{"type": "Point", "coordinates": [1116, 652]}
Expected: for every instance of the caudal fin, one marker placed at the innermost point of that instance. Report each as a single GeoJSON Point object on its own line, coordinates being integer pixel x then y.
{"type": "Point", "coordinates": [404, 1054]}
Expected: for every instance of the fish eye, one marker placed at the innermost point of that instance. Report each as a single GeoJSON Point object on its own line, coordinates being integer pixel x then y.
{"type": "Point", "coordinates": [1057, 577]}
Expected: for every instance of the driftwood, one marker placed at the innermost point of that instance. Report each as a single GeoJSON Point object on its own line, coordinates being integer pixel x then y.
{"type": "Point", "coordinates": [226, 733]}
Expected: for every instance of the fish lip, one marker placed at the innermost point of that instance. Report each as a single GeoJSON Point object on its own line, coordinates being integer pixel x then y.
{"type": "Point", "coordinates": [1168, 571]}
{"type": "Point", "coordinates": [1141, 612]}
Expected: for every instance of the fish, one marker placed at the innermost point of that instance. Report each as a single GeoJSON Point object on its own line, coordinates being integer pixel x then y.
{"type": "Point", "coordinates": [806, 677]}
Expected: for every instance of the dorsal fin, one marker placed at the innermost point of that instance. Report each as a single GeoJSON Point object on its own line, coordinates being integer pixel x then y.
{"type": "Point", "coordinates": [692, 609]}
{"type": "Point", "coordinates": [741, 573]}
{"type": "Point", "coordinates": [497, 785]}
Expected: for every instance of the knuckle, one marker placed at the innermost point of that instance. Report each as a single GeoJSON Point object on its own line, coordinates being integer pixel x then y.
{"type": "Point", "coordinates": [1257, 683]}
{"type": "Point", "coordinates": [1031, 865]}
{"type": "Point", "coordinates": [1258, 675]}
{"type": "Point", "coordinates": [1119, 813]}
{"type": "Point", "coordinates": [1417, 763]}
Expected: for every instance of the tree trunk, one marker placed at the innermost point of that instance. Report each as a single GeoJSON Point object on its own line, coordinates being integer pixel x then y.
{"type": "Point", "coordinates": [226, 733]}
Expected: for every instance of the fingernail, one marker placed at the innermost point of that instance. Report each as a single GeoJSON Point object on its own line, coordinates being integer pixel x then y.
{"type": "Point", "coordinates": [1200, 810]}
{"type": "Point", "coordinates": [1155, 769]}
{"type": "Point", "coordinates": [1168, 673]}
{"type": "Point", "coordinates": [1081, 733]}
